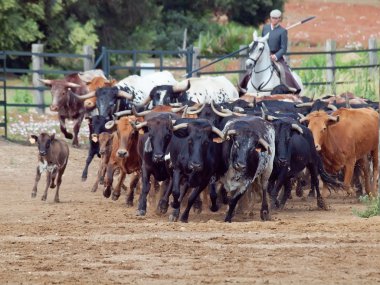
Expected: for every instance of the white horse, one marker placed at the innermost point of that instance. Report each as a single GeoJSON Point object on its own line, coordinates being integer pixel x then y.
{"type": "Point", "coordinates": [264, 77]}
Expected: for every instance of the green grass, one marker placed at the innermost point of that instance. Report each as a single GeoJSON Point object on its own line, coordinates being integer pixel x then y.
{"type": "Point", "coordinates": [372, 207]}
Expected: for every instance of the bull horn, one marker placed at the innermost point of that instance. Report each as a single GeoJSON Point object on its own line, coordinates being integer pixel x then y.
{"type": "Point", "coordinates": [140, 125]}
{"type": "Point", "coordinates": [262, 113]}
{"type": "Point", "coordinates": [140, 114]}
{"type": "Point", "coordinates": [229, 134]}
{"type": "Point", "coordinates": [218, 132]}
{"type": "Point", "coordinates": [239, 114]}
{"type": "Point", "coordinates": [297, 128]}
{"type": "Point", "coordinates": [146, 101]}
{"type": "Point", "coordinates": [196, 111]}
{"type": "Point", "coordinates": [176, 104]}
{"type": "Point", "coordinates": [176, 110]}
{"type": "Point", "coordinates": [332, 107]}
{"type": "Point", "coordinates": [307, 104]}
{"type": "Point", "coordinates": [300, 115]}
{"type": "Point", "coordinates": [109, 125]}
{"type": "Point", "coordinates": [304, 119]}
{"type": "Point", "coordinates": [221, 114]}
{"type": "Point", "coordinates": [123, 113]}
{"type": "Point", "coordinates": [46, 81]}
{"type": "Point", "coordinates": [72, 85]}
{"type": "Point", "coordinates": [264, 144]}
{"type": "Point", "coordinates": [333, 118]}
{"type": "Point", "coordinates": [348, 106]}
{"type": "Point", "coordinates": [83, 97]}
{"type": "Point", "coordinates": [185, 111]}
{"type": "Point", "coordinates": [264, 107]}
{"type": "Point", "coordinates": [125, 95]}
{"type": "Point", "coordinates": [181, 86]}
{"type": "Point", "coordinates": [180, 126]}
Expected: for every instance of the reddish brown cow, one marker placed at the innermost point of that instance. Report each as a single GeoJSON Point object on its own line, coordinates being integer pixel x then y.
{"type": "Point", "coordinates": [345, 137]}
{"type": "Point", "coordinates": [124, 156]}
{"type": "Point", "coordinates": [105, 149]}
{"type": "Point", "coordinates": [52, 158]}
{"type": "Point", "coordinates": [66, 104]}
{"type": "Point", "coordinates": [95, 83]}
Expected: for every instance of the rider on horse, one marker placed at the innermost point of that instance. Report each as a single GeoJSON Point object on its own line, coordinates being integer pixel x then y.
{"type": "Point", "coordinates": [278, 41]}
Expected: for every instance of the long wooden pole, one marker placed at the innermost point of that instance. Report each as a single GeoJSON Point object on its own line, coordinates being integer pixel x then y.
{"type": "Point", "coordinates": [235, 52]}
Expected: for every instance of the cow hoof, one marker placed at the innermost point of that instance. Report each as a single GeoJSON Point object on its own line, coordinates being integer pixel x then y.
{"type": "Point", "coordinates": [43, 198]}
{"type": "Point", "coordinates": [115, 197]}
{"type": "Point", "coordinates": [76, 146]}
{"type": "Point", "coordinates": [140, 213]}
{"type": "Point", "coordinates": [299, 192]}
{"type": "Point", "coordinates": [34, 194]}
{"type": "Point", "coordinates": [94, 188]}
{"type": "Point", "coordinates": [52, 185]}
{"type": "Point", "coordinates": [321, 204]}
{"type": "Point", "coordinates": [107, 193]}
{"type": "Point", "coordinates": [281, 207]}
{"type": "Point", "coordinates": [163, 206]}
{"type": "Point", "coordinates": [84, 178]}
{"type": "Point", "coordinates": [264, 215]}
{"type": "Point", "coordinates": [184, 219]}
{"type": "Point", "coordinates": [228, 220]}
{"type": "Point", "coordinates": [69, 136]}
{"type": "Point", "coordinates": [56, 200]}
{"type": "Point", "coordinates": [173, 218]}
{"type": "Point", "coordinates": [214, 208]}
{"type": "Point", "coordinates": [129, 204]}
{"type": "Point", "coordinates": [311, 194]}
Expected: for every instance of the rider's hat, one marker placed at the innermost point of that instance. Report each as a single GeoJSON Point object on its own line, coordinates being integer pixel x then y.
{"type": "Point", "coordinates": [275, 13]}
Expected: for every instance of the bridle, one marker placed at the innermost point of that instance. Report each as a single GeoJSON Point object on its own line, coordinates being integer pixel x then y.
{"type": "Point", "coordinates": [270, 66]}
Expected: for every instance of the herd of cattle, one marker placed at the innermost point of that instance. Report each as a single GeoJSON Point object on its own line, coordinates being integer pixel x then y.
{"type": "Point", "coordinates": [203, 133]}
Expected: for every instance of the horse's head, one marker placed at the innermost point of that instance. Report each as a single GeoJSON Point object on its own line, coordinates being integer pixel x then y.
{"type": "Point", "coordinates": [258, 49]}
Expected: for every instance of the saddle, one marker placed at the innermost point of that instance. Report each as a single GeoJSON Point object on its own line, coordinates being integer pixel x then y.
{"type": "Point", "coordinates": [279, 68]}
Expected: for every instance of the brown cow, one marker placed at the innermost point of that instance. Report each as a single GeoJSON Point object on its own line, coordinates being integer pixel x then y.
{"type": "Point", "coordinates": [66, 104]}
{"type": "Point", "coordinates": [345, 137]}
{"type": "Point", "coordinates": [124, 156]}
{"type": "Point", "coordinates": [105, 148]}
{"type": "Point", "coordinates": [95, 83]}
{"type": "Point", "coordinates": [52, 158]}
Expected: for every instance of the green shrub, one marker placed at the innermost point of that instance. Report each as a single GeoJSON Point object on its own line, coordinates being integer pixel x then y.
{"type": "Point", "coordinates": [373, 207]}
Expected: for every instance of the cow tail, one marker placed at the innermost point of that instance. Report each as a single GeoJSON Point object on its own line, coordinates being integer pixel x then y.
{"type": "Point", "coordinates": [330, 181]}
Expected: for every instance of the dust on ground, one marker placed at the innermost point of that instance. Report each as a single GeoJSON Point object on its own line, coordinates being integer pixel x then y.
{"type": "Point", "coordinates": [88, 239]}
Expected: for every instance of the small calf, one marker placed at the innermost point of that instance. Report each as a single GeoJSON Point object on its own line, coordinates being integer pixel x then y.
{"type": "Point", "coordinates": [52, 158]}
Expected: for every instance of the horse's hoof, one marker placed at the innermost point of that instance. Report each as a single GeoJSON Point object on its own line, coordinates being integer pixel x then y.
{"type": "Point", "coordinates": [140, 213]}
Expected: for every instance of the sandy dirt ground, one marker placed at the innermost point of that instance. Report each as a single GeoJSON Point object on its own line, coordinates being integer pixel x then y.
{"type": "Point", "coordinates": [87, 239]}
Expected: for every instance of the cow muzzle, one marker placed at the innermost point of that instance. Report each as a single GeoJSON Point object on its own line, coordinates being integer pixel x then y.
{"type": "Point", "coordinates": [318, 147]}
{"type": "Point", "coordinates": [122, 153]}
{"type": "Point", "coordinates": [240, 166]}
{"type": "Point", "coordinates": [42, 153]}
{"type": "Point", "coordinates": [158, 157]}
{"type": "Point", "coordinates": [195, 166]}
{"type": "Point", "coordinates": [94, 138]}
{"type": "Point", "coordinates": [282, 161]}
{"type": "Point", "coordinates": [54, 108]}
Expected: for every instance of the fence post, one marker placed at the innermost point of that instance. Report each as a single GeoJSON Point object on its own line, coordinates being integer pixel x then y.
{"type": "Point", "coordinates": [372, 44]}
{"type": "Point", "coordinates": [88, 62]}
{"type": "Point", "coordinates": [37, 65]}
{"type": "Point", "coordinates": [189, 61]}
{"type": "Point", "coordinates": [242, 60]}
{"type": "Point", "coordinates": [330, 62]}
{"type": "Point", "coordinates": [196, 61]}
{"type": "Point", "coordinates": [105, 62]}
